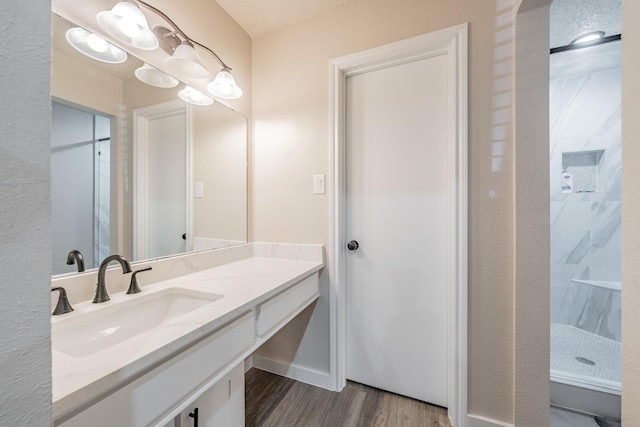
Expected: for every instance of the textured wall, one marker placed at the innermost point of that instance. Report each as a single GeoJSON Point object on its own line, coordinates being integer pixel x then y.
{"type": "Point", "coordinates": [531, 233]}
{"type": "Point", "coordinates": [291, 143]}
{"type": "Point", "coordinates": [25, 235]}
{"type": "Point", "coordinates": [630, 209]}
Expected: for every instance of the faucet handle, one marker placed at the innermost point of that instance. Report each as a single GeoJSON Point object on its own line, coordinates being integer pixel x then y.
{"type": "Point", "coordinates": [63, 306]}
{"type": "Point", "coordinates": [133, 285]}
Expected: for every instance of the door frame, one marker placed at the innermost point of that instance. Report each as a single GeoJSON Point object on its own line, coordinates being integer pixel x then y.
{"type": "Point", "coordinates": [453, 42]}
{"type": "Point", "coordinates": [141, 119]}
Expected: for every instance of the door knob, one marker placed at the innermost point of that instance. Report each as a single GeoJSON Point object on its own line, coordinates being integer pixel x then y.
{"type": "Point", "coordinates": [353, 245]}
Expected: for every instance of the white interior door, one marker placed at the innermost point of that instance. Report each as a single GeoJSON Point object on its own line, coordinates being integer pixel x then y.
{"type": "Point", "coordinates": [162, 191]}
{"type": "Point", "coordinates": [399, 147]}
{"type": "Point", "coordinates": [167, 185]}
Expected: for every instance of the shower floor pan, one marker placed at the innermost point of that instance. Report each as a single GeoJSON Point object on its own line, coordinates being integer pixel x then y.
{"type": "Point", "coordinates": [585, 371]}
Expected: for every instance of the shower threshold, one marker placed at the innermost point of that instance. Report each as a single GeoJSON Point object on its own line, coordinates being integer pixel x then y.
{"type": "Point", "coordinates": [585, 372]}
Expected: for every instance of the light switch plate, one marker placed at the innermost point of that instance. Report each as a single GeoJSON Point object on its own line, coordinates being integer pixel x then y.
{"type": "Point", "coordinates": [318, 184]}
{"type": "Point", "coordinates": [198, 190]}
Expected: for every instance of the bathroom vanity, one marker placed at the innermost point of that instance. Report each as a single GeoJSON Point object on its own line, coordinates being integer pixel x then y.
{"type": "Point", "coordinates": [177, 349]}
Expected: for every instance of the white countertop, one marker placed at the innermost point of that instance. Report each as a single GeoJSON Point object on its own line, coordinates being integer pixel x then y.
{"type": "Point", "coordinates": [243, 284]}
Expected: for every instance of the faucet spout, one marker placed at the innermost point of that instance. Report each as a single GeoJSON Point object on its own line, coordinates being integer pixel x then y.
{"type": "Point", "coordinates": [75, 257]}
{"type": "Point", "coordinates": [101, 286]}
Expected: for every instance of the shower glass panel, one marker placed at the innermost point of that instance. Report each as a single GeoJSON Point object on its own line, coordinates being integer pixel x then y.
{"type": "Point", "coordinates": [80, 185]}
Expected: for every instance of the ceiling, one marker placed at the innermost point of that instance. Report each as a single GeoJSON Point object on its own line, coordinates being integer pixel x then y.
{"type": "Point", "coordinates": [572, 18]}
{"type": "Point", "coordinates": [260, 16]}
{"type": "Point", "coordinates": [569, 18]}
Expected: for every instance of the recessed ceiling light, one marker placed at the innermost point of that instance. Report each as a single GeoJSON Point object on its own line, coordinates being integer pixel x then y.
{"type": "Point", "coordinates": [589, 37]}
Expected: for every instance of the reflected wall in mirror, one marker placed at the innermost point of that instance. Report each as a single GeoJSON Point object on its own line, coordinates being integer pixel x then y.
{"type": "Point", "coordinates": [135, 170]}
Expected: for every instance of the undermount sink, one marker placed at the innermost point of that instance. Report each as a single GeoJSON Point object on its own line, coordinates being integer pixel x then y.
{"type": "Point", "coordinates": [94, 331]}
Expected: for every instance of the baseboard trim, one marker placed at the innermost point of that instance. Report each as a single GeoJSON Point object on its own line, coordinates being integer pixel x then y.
{"type": "Point", "coordinates": [295, 372]}
{"type": "Point", "coordinates": [479, 421]}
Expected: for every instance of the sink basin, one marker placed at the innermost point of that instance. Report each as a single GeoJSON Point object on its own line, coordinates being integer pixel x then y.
{"type": "Point", "coordinates": [94, 331]}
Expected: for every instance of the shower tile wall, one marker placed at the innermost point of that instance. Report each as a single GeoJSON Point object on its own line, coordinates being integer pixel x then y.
{"type": "Point", "coordinates": [585, 227]}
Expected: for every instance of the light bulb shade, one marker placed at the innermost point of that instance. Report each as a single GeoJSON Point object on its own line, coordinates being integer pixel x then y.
{"type": "Point", "coordinates": [94, 46]}
{"type": "Point", "coordinates": [195, 97]}
{"type": "Point", "coordinates": [186, 62]}
{"type": "Point", "coordinates": [224, 85]}
{"type": "Point", "coordinates": [126, 22]}
{"type": "Point", "coordinates": [154, 77]}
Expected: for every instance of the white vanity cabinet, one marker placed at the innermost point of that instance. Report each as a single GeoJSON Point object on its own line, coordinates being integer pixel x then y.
{"type": "Point", "coordinates": [147, 399]}
{"type": "Point", "coordinates": [220, 406]}
{"type": "Point", "coordinates": [203, 369]}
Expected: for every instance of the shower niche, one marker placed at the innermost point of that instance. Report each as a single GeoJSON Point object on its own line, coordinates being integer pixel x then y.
{"type": "Point", "coordinates": [582, 171]}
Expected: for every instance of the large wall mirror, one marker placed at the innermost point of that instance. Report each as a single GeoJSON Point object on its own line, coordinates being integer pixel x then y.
{"type": "Point", "coordinates": [134, 169]}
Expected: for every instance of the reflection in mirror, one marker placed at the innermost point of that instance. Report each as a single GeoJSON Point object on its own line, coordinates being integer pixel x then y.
{"type": "Point", "coordinates": [135, 170]}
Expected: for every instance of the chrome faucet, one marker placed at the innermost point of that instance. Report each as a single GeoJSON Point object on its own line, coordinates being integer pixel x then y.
{"type": "Point", "coordinates": [101, 287]}
{"type": "Point", "coordinates": [75, 257]}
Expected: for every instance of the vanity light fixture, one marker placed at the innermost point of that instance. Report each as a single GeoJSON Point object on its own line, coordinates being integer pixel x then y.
{"type": "Point", "coordinates": [224, 85]}
{"type": "Point", "coordinates": [185, 61]}
{"type": "Point", "coordinates": [126, 22]}
{"type": "Point", "coordinates": [588, 37]}
{"type": "Point", "coordinates": [194, 96]}
{"type": "Point", "coordinates": [94, 46]}
{"type": "Point", "coordinates": [152, 76]}
{"type": "Point", "coordinates": [183, 58]}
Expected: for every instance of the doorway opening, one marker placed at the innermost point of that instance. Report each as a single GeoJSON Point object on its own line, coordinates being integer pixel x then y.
{"type": "Point", "coordinates": [451, 42]}
{"type": "Point", "coordinates": [163, 173]}
{"type": "Point", "coordinates": [585, 207]}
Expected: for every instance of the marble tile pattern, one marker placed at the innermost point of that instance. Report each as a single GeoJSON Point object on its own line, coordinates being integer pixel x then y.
{"type": "Point", "coordinates": [585, 116]}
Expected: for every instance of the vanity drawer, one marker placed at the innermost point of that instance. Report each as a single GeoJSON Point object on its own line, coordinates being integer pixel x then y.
{"type": "Point", "coordinates": [146, 399]}
{"type": "Point", "coordinates": [276, 310]}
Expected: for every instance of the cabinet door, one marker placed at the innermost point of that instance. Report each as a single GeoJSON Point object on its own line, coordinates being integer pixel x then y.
{"type": "Point", "coordinates": [220, 406]}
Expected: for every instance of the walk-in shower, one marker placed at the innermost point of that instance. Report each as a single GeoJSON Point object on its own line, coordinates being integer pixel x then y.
{"type": "Point", "coordinates": [585, 200]}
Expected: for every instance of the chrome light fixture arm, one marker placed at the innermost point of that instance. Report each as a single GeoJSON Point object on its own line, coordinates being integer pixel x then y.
{"type": "Point", "coordinates": [178, 30]}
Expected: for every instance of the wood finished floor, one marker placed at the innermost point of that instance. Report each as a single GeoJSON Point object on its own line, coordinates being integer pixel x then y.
{"type": "Point", "coordinates": [272, 400]}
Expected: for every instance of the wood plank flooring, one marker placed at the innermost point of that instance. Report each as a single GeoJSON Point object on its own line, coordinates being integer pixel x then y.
{"type": "Point", "coordinates": [272, 400]}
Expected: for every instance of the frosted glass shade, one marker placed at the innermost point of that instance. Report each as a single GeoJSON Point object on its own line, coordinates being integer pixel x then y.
{"type": "Point", "coordinates": [126, 22]}
{"type": "Point", "coordinates": [154, 77]}
{"type": "Point", "coordinates": [195, 97]}
{"type": "Point", "coordinates": [186, 62]}
{"type": "Point", "coordinates": [224, 86]}
{"type": "Point", "coordinates": [94, 46]}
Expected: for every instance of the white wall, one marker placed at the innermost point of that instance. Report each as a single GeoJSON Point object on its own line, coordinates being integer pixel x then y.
{"type": "Point", "coordinates": [291, 143]}
{"type": "Point", "coordinates": [25, 232]}
{"type": "Point", "coordinates": [220, 164]}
